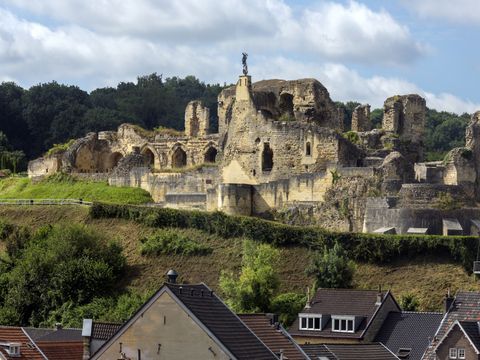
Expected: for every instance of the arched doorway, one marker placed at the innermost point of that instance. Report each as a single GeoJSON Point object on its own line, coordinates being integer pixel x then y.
{"type": "Point", "coordinates": [267, 157]}
{"type": "Point", "coordinates": [211, 155]}
{"type": "Point", "coordinates": [149, 157]}
{"type": "Point", "coordinates": [113, 160]}
{"type": "Point", "coordinates": [179, 158]}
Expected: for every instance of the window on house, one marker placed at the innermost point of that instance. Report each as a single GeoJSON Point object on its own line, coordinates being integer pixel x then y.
{"type": "Point", "coordinates": [343, 324]}
{"type": "Point", "coordinates": [452, 353]}
{"type": "Point", "coordinates": [310, 322]}
{"type": "Point", "coordinates": [461, 353]}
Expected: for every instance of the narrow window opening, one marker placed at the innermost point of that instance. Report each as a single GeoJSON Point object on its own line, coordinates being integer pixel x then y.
{"type": "Point", "coordinates": [267, 157]}
{"type": "Point", "coordinates": [308, 149]}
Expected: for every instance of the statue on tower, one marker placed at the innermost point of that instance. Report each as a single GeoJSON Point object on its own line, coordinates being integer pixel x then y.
{"type": "Point", "coordinates": [244, 62]}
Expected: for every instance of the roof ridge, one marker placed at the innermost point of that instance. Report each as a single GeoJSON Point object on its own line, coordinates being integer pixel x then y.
{"type": "Point", "coordinates": [421, 312]}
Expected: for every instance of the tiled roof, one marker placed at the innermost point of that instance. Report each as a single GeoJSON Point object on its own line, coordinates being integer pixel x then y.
{"type": "Point", "coordinates": [466, 307]}
{"type": "Point", "coordinates": [39, 334]}
{"type": "Point", "coordinates": [16, 335]}
{"type": "Point", "coordinates": [221, 321]}
{"type": "Point", "coordinates": [272, 335]}
{"type": "Point", "coordinates": [409, 330]}
{"type": "Point", "coordinates": [361, 303]}
{"type": "Point", "coordinates": [103, 330]}
{"type": "Point", "coordinates": [374, 351]}
{"type": "Point", "coordinates": [471, 328]}
{"type": "Point", "coordinates": [62, 350]}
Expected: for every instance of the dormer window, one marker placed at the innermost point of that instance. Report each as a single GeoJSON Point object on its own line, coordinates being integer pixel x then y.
{"type": "Point", "coordinates": [310, 322]}
{"type": "Point", "coordinates": [14, 350]}
{"type": "Point", "coordinates": [343, 324]}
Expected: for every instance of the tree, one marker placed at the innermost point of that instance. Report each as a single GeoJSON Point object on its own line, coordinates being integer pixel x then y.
{"type": "Point", "coordinates": [258, 281]}
{"type": "Point", "coordinates": [409, 302]}
{"type": "Point", "coordinates": [331, 269]}
{"type": "Point", "coordinates": [376, 118]}
{"type": "Point", "coordinates": [288, 305]}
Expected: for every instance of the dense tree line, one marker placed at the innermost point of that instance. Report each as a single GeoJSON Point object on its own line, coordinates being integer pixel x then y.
{"type": "Point", "coordinates": [46, 114]}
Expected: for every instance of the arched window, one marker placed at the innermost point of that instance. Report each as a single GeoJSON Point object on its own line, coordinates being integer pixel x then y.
{"type": "Point", "coordinates": [179, 158]}
{"type": "Point", "coordinates": [211, 155]}
{"type": "Point", "coordinates": [267, 157]}
{"type": "Point", "coordinates": [149, 157]}
{"type": "Point", "coordinates": [308, 149]}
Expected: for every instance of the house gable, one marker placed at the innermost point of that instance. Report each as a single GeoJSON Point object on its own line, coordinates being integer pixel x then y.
{"type": "Point", "coordinates": [163, 330]}
{"type": "Point", "coordinates": [456, 337]}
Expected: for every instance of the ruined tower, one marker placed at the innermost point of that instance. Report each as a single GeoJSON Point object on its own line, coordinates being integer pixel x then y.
{"type": "Point", "coordinates": [361, 118]}
{"type": "Point", "coordinates": [197, 119]}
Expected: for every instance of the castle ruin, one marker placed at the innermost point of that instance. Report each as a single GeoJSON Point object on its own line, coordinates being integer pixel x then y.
{"type": "Point", "coordinates": [281, 151]}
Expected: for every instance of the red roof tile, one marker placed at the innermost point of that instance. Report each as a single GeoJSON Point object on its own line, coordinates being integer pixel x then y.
{"type": "Point", "coordinates": [28, 351]}
{"type": "Point", "coordinates": [62, 350]}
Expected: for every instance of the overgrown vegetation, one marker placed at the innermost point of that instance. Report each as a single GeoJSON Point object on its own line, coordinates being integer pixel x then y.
{"type": "Point", "coordinates": [352, 136]}
{"type": "Point", "coordinates": [445, 201]}
{"type": "Point", "coordinates": [169, 242]}
{"type": "Point", "coordinates": [59, 148]}
{"type": "Point", "coordinates": [43, 271]}
{"type": "Point", "coordinates": [373, 248]}
{"type": "Point", "coordinates": [62, 186]}
{"type": "Point", "coordinates": [331, 268]}
{"type": "Point", "coordinates": [409, 302]}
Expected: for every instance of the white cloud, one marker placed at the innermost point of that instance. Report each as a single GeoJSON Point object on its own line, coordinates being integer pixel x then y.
{"type": "Point", "coordinates": [458, 11]}
{"type": "Point", "coordinates": [332, 30]}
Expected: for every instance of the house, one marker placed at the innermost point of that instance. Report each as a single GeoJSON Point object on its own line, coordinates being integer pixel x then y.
{"type": "Point", "coordinates": [95, 334]}
{"type": "Point", "coordinates": [273, 335]}
{"type": "Point", "coordinates": [408, 334]}
{"type": "Point", "coordinates": [374, 351]}
{"type": "Point", "coordinates": [183, 321]}
{"type": "Point", "coordinates": [458, 335]}
{"type": "Point", "coordinates": [343, 316]}
{"type": "Point", "coordinates": [15, 344]}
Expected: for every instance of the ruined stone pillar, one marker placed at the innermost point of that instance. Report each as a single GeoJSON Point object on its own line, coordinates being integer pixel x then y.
{"type": "Point", "coordinates": [361, 118]}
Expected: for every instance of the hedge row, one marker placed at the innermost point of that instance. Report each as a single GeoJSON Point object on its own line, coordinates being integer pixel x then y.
{"type": "Point", "coordinates": [374, 248]}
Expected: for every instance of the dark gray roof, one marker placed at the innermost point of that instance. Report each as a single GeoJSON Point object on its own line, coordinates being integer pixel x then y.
{"type": "Point", "coordinates": [221, 321]}
{"type": "Point", "coordinates": [409, 330]}
{"type": "Point", "coordinates": [359, 303]}
{"type": "Point", "coordinates": [42, 334]}
{"type": "Point", "coordinates": [466, 307]}
{"type": "Point", "coordinates": [472, 331]}
{"type": "Point", "coordinates": [375, 351]}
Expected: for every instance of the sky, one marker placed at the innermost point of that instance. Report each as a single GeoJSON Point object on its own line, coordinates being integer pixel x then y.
{"type": "Point", "coordinates": [361, 51]}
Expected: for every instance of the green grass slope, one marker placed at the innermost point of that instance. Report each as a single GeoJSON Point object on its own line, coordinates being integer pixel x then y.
{"type": "Point", "coordinates": [66, 187]}
{"type": "Point", "coordinates": [426, 277]}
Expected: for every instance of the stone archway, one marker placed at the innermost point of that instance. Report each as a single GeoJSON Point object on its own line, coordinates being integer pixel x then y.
{"type": "Point", "coordinates": [113, 160]}
{"type": "Point", "coordinates": [267, 157]}
{"type": "Point", "coordinates": [149, 157]}
{"type": "Point", "coordinates": [179, 158]}
{"type": "Point", "coordinates": [210, 155]}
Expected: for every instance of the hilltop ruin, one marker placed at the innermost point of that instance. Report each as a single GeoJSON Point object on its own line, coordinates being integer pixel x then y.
{"type": "Point", "coordinates": [282, 152]}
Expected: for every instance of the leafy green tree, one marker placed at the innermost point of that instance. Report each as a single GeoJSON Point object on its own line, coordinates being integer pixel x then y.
{"type": "Point", "coordinates": [347, 108]}
{"type": "Point", "coordinates": [332, 268]}
{"type": "Point", "coordinates": [258, 281]}
{"type": "Point", "coordinates": [57, 265]}
{"type": "Point", "coordinates": [376, 118]}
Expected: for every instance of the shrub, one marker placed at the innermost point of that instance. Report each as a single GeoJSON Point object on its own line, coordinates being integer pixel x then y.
{"type": "Point", "coordinates": [59, 148]}
{"type": "Point", "coordinates": [352, 136]}
{"type": "Point", "coordinates": [5, 229]}
{"type": "Point", "coordinates": [409, 302]}
{"type": "Point", "coordinates": [331, 269]}
{"type": "Point", "coordinates": [169, 242]}
{"type": "Point", "coordinates": [287, 306]}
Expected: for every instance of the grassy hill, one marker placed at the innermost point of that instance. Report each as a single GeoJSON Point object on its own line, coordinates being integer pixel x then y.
{"type": "Point", "coordinates": [61, 186]}
{"type": "Point", "coordinates": [426, 277]}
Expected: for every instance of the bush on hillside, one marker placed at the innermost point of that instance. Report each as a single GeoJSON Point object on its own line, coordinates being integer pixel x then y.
{"type": "Point", "coordinates": [170, 242]}
{"type": "Point", "coordinates": [287, 306]}
{"type": "Point", "coordinates": [331, 269]}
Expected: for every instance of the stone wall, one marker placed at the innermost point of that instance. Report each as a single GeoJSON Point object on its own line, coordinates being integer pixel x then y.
{"type": "Point", "coordinates": [361, 118]}
{"type": "Point", "coordinates": [44, 166]}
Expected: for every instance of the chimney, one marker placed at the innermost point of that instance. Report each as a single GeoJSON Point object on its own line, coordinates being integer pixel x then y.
{"type": "Point", "coordinates": [58, 326]}
{"type": "Point", "coordinates": [379, 296]}
{"type": "Point", "coordinates": [172, 276]}
{"type": "Point", "coordinates": [86, 336]}
{"type": "Point", "coordinates": [448, 301]}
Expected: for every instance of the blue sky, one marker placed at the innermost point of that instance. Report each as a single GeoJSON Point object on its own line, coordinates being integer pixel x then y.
{"type": "Point", "coordinates": [360, 50]}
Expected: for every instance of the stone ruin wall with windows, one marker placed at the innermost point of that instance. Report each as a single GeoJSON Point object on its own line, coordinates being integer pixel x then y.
{"type": "Point", "coordinates": [282, 151]}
